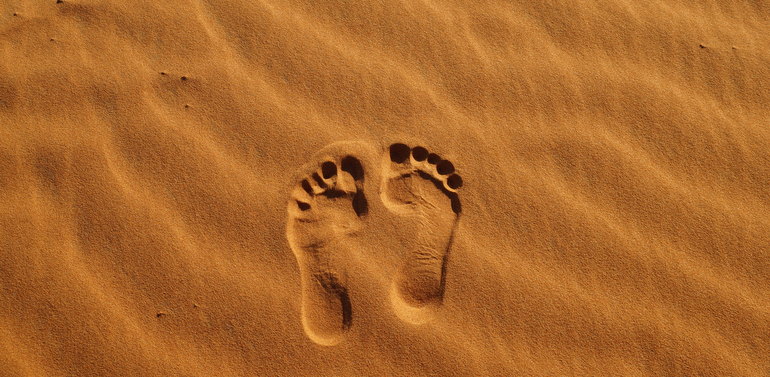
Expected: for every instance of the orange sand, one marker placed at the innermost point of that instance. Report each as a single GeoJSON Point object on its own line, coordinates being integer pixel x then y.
{"type": "Point", "coordinates": [615, 166]}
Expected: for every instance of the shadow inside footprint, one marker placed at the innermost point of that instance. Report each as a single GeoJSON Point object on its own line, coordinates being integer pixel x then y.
{"type": "Point", "coordinates": [352, 166]}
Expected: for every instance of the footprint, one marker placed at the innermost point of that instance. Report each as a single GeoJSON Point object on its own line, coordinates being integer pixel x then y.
{"type": "Point", "coordinates": [326, 206]}
{"type": "Point", "coordinates": [420, 184]}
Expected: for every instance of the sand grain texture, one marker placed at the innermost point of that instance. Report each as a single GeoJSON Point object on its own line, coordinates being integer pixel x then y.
{"type": "Point", "coordinates": [614, 198]}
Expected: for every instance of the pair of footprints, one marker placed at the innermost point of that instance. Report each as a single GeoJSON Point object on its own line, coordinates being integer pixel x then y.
{"type": "Point", "coordinates": [329, 204]}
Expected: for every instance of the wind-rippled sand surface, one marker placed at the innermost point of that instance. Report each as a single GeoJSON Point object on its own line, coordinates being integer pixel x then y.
{"type": "Point", "coordinates": [613, 217]}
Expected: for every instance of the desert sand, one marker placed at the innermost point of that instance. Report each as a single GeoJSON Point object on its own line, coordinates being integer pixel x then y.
{"type": "Point", "coordinates": [384, 188]}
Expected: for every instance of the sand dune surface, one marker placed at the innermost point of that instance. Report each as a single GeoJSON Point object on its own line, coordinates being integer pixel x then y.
{"type": "Point", "coordinates": [384, 188]}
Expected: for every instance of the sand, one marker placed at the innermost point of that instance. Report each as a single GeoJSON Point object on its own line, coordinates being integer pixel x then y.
{"type": "Point", "coordinates": [384, 188]}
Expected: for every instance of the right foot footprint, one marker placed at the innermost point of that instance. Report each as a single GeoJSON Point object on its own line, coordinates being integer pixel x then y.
{"type": "Point", "coordinates": [419, 183]}
{"type": "Point", "coordinates": [325, 206]}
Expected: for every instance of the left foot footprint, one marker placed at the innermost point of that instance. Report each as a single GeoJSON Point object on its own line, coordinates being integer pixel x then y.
{"type": "Point", "coordinates": [419, 183]}
{"type": "Point", "coordinates": [326, 208]}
